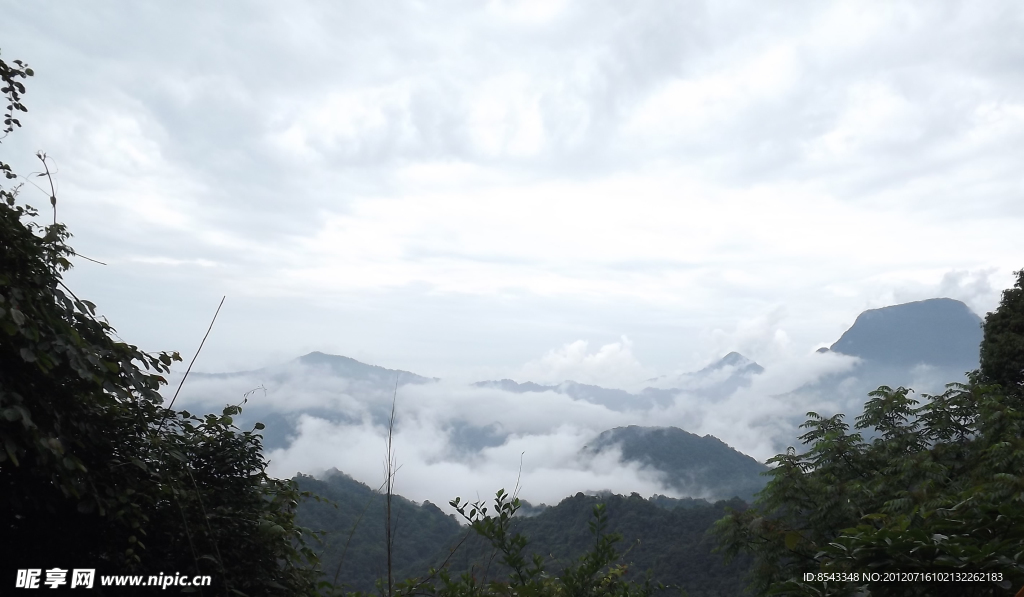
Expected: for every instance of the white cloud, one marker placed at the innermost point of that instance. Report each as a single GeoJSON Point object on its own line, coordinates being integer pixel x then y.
{"type": "Point", "coordinates": [975, 287]}
{"type": "Point", "coordinates": [342, 424]}
{"type": "Point", "coordinates": [761, 338]}
{"type": "Point", "coordinates": [611, 365]}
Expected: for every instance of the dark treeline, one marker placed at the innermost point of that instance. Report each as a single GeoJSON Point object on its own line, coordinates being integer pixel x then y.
{"type": "Point", "coordinates": [665, 536]}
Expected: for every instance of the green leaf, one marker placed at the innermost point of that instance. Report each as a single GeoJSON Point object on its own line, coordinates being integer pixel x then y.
{"type": "Point", "coordinates": [792, 540]}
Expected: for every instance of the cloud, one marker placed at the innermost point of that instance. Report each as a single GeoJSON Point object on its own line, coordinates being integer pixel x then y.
{"type": "Point", "coordinates": [612, 365]}
{"type": "Point", "coordinates": [975, 288]}
{"type": "Point", "coordinates": [547, 466]}
{"type": "Point", "coordinates": [349, 428]}
{"type": "Point", "coordinates": [760, 418]}
{"type": "Point", "coordinates": [760, 338]}
{"type": "Point", "coordinates": [971, 287]}
{"type": "Point", "coordinates": [452, 438]}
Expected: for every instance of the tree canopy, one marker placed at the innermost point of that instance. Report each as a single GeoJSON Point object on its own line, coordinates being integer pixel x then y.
{"type": "Point", "coordinates": [1002, 350]}
{"type": "Point", "coordinates": [937, 494]}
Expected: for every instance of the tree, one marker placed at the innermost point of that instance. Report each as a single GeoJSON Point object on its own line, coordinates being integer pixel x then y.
{"type": "Point", "coordinates": [937, 496]}
{"type": "Point", "coordinates": [1002, 350]}
{"type": "Point", "coordinates": [94, 471]}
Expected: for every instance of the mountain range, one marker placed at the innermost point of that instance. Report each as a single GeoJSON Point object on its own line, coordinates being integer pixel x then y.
{"type": "Point", "coordinates": [923, 344]}
{"type": "Point", "coordinates": [936, 339]}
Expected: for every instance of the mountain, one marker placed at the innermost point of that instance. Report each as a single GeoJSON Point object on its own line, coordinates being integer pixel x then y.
{"type": "Point", "coordinates": [614, 399]}
{"type": "Point", "coordinates": [347, 375]}
{"type": "Point", "coordinates": [660, 534]}
{"type": "Point", "coordinates": [353, 517]}
{"type": "Point", "coordinates": [673, 544]}
{"type": "Point", "coordinates": [340, 366]}
{"type": "Point", "coordinates": [717, 380]}
{"type": "Point", "coordinates": [336, 365]}
{"type": "Point", "coordinates": [693, 465]}
{"type": "Point", "coordinates": [922, 345]}
{"type": "Point", "coordinates": [738, 363]}
{"type": "Point", "coordinates": [941, 332]}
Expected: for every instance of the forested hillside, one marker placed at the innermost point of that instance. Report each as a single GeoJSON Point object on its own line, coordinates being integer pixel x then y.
{"type": "Point", "coordinates": [663, 535]}
{"type": "Point", "coordinates": [672, 544]}
{"type": "Point", "coordinates": [693, 465]}
{"type": "Point", "coordinates": [354, 549]}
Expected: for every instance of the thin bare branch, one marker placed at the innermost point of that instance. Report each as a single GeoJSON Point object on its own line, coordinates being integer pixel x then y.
{"type": "Point", "coordinates": [195, 356]}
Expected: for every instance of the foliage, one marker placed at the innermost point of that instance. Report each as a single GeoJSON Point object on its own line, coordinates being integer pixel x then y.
{"type": "Point", "coordinates": [351, 516]}
{"type": "Point", "coordinates": [1002, 350]}
{"type": "Point", "coordinates": [671, 545]}
{"type": "Point", "coordinates": [669, 540]}
{"type": "Point", "coordinates": [594, 574]}
{"type": "Point", "coordinates": [94, 472]}
{"type": "Point", "coordinates": [938, 490]}
{"type": "Point", "coordinates": [12, 90]}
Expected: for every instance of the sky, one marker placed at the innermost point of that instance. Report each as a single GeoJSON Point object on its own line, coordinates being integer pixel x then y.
{"type": "Point", "coordinates": [543, 190]}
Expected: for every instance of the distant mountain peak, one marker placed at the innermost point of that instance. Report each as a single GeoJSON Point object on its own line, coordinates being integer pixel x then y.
{"type": "Point", "coordinates": [940, 331]}
{"type": "Point", "coordinates": [350, 368]}
{"type": "Point", "coordinates": [734, 359]}
{"type": "Point", "coordinates": [322, 358]}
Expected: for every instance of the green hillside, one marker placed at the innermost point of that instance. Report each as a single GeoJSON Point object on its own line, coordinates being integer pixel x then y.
{"type": "Point", "coordinates": [694, 465]}
{"type": "Point", "coordinates": [663, 535]}
{"type": "Point", "coordinates": [672, 544]}
{"type": "Point", "coordinates": [353, 520]}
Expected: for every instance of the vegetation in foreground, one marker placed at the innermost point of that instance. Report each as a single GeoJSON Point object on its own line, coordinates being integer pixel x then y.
{"type": "Point", "coordinates": [936, 494]}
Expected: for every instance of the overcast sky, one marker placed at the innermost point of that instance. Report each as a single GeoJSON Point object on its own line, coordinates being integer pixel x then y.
{"type": "Point", "coordinates": [544, 190]}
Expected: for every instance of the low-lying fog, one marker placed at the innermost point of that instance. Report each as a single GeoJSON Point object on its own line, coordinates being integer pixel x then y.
{"type": "Point", "coordinates": [453, 438]}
